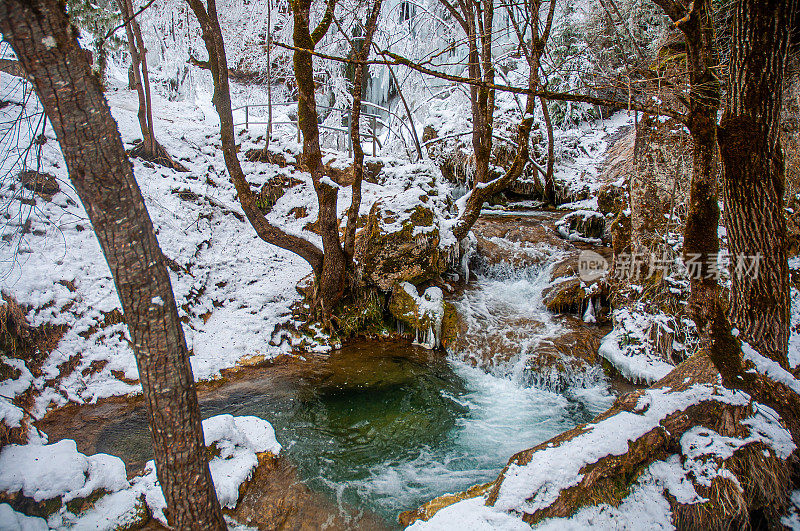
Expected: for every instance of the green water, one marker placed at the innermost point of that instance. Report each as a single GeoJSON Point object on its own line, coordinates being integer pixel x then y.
{"type": "Point", "coordinates": [381, 427]}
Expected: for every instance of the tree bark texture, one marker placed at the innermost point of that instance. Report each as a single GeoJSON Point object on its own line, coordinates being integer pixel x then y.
{"type": "Point", "coordinates": [754, 174]}
{"type": "Point", "coordinates": [46, 44]}
{"type": "Point", "coordinates": [701, 241]}
{"type": "Point", "coordinates": [361, 71]}
{"type": "Point", "coordinates": [331, 279]}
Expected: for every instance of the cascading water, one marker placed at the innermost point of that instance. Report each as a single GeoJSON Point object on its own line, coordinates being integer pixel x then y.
{"type": "Point", "coordinates": [384, 428]}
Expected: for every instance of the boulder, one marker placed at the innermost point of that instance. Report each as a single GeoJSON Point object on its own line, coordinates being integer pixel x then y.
{"type": "Point", "coordinates": [582, 225]}
{"type": "Point", "coordinates": [568, 293]}
{"type": "Point", "coordinates": [44, 185]}
{"type": "Point", "coordinates": [396, 247]}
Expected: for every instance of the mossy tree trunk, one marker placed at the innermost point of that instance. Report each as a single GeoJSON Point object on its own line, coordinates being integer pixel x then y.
{"type": "Point", "coordinates": [753, 197]}
{"type": "Point", "coordinates": [330, 264]}
{"type": "Point", "coordinates": [361, 72]}
{"type": "Point", "coordinates": [701, 241]}
{"type": "Point", "coordinates": [48, 49]}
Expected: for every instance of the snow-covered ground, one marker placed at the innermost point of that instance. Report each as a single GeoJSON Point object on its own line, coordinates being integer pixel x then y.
{"type": "Point", "coordinates": [233, 290]}
{"type": "Point", "coordinates": [30, 470]}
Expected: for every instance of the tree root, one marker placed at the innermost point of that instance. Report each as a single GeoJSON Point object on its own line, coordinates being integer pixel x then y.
{"type": "Point", "coordinates": [158, 156]}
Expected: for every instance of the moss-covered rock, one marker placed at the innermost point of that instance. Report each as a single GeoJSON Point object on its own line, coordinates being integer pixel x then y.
{"type": "Point", "coordinates": [29, 506]}
{"type": "Point", "coordinates": [396, 247]}
{"type": "Point", "coordinates": [452, 325]}
{"type": "Point", "coordinates": [571, 294]}
{"type": "Point", "coordinates": [612, 197]}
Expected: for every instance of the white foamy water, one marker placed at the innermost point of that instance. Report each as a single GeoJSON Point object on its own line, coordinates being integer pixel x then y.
{"type": "Point", "coordinates": [500, 420]}
{"type": "Point", "coordinates": [503, 414]}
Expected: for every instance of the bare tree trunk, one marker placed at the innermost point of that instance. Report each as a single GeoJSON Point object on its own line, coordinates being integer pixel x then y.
{"type": "Point", "coordinates": [330, 264]}
{"type": "Point", "coordinates": [331, 281]}
{"type": "Point", "coordinates": [754, 174]}
{"type": "Point", "coordinates": [46, 44]}
{"type": "Point", "coordinates": [265, 151]}
{"type": "Point", "coordinates": [701, 241]}
{"type": "Point", "coordinates": [149, 149]}
{"type": "Point", "coordinates": [410, 116]}
{"type": "Point", "coordinates": [136, 70]}
{"type": "Point", "coordinates": [145, 77]}
{"type": "Point", "coordinates": [218, 64]}
{"type": "Point", "coordinates": [482, 191]}
{"type": "Point", "coordinates": [549, 177]}
{"type": "Point", "coordinates": [362, 70]}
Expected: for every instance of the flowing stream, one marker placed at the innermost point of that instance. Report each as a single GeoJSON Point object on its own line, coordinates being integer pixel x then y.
{"type": "Point", "coordinates": [382, 428]}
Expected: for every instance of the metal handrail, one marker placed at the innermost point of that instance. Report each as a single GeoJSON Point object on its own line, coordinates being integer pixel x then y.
{"type": "Point", "coordinates": [374, 120]}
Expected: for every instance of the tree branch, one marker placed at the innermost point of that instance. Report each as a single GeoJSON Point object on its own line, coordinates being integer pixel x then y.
{"type": "Point", "coordinates": [324, 24]}
{"type": "Point", "coordinates": [546, 94]}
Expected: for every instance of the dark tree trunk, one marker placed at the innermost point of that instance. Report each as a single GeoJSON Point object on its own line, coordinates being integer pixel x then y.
{"type": "Point", "coordinates": [701, 241]}
{"type": "Point", "coordinates": [754, 174]}
{"type": "Point", "coordinates": [331, 280]}
{"type": "Point", "coordinates": [330, 264]}
{"type": "Point", "coordinates": [135, 74]}
{"type": "Point", "coordinates": [46, 44]}
{"type": "Point", "coordinates": [361, 71]}
{"type": "Point", "coordinates": [753, 195]}
{"type": "Point", "coordinates": [149, 149]}
{"type": "Point", "coordinates": [549, 178]}
{"type": "Point", "coordinates": [218, 64]}
{"type": "Point", "coordinates": [480, 194]}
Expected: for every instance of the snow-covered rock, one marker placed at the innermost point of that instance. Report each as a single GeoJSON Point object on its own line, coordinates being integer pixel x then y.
{"type": "Point", "coordinates": [424, 313]}
{"type": "Point", "coordinates": [238, 441]}
{"type": "Point", "coordinates": [43, 472]}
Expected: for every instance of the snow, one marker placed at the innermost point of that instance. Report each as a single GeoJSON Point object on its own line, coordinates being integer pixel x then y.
{"type": "Point", "coordinates": [113, 511]}
{"type": "Point", "coordinates": [588, 315]}
{"type": "Point", "coordinates": [629, 347]}
{"type": "Point", "coordinates": [531, 487]}
{"type": "Point", "coordinates": [563, 225]}
{"type": "Point", "coordinates": [11, 520]}
{"type": "Point", "coordinates": [792, 519]}
{"type": "Point", "coordinates": [470, 515]}
{"type": "Point", "coordinates": [644, 508]}
{"type": "Point", "coordinates": [431, 306]}
{"type": "Point", "coordinates": [794, 338]}
{"type": "Point", "coordinates": [10, 388]}
{"type": "Point", "coordinates": [770, 369]}
{"type": "Point", "coordinates": [634, 367]}
{"type": "Point", "coordinates": [30, 469]}
{"type": "Point", "coordinates": [527, 488]}
{"type": "Point", "coordinates": [700, 443]}
{"type": "Point", "coordinates": [238, 440]}
{"type": "Point", "coordinates": [232, 289]}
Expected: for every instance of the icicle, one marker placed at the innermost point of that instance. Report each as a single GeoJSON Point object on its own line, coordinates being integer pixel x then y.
{"type": "Point", "coordinates": [588, 316]}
